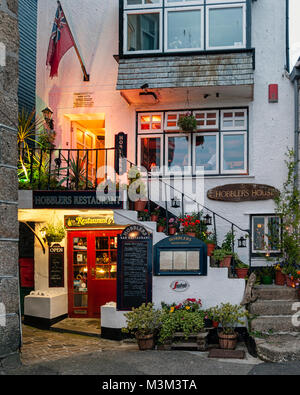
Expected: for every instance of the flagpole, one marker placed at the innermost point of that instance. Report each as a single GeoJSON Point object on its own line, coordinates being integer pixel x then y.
{"type": "Point", "coordinates": [85, 74]}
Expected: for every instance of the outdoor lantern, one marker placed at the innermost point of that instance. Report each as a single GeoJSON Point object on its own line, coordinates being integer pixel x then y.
{"type": "Point", "coordinates": [47, 113]}
{"type": "Point", "coordinates": [242, 242]}
{"type": "Point", "coordinates": [208, 220]}
{"type": "Point", "coordinates": [175, 203]}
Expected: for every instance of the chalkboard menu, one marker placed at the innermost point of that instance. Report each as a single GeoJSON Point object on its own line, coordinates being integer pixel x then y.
{"type": "Point", "coordinates": [134, 281]}
{"type": "Point", "coordinates": [56, 266]}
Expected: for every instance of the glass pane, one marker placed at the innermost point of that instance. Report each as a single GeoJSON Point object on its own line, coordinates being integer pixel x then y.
{"type": "Point", "coordinates": [206, 152]}
{"type": "Point", "coordinates": [102, 258]}
{"type": "Point", "coordinates": [80, 258]}
{"type": "Point", "coordinates": [79, 136]}
{"type": "Point", "coordinates": [259, 233]}
{"type": "Point", "coordinates": [273, 233]}
{"type": "Point", "coordinates": [178, 152]}
{"type": "Point", "coordinates": [102, 271]}
{"type": "Point", "coordinates": [150, 152]}
{"type": "Point", "coordinates": [226, 27]}
{"type": "Point", "coordinates": [184, 29]}
{"type": "Point", "coordinates": [233, 155]}
{"type": "Point", "coordinates": [143, 32]}
{"type": "Point", "coordinates": [140, 2]}
{"type": "Point", "coordinates": [80, 243]}
{"type": "Point", "coordinates": [80, 300]}
{"type": "Point", "coordinates": [101, 243]}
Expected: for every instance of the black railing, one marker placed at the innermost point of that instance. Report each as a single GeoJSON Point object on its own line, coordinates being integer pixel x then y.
{"type": "Point", "coordinates": [66, 169]}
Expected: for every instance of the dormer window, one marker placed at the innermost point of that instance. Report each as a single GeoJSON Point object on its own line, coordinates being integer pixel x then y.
{"type": "Point", "coordinates": [163, 26]}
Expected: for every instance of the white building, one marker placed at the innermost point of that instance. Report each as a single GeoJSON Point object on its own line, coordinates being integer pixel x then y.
{"type": "Point", "coordinates": [149, 63]}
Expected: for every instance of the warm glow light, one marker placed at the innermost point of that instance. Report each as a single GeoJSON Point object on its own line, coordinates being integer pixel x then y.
{"type": "Point", "coordinates": [85, 270]}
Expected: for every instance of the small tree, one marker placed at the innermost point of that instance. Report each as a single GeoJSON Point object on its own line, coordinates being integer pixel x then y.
{"type": "Point", "coordinates": [288, 210]}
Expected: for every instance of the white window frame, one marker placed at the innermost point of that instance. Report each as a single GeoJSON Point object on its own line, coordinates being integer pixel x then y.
{"type": "Point", "coordinates": [139, 6]}
{"type": "Point", "coordinates": [208, 127]}
{"type": "Point", "coordinates": [234, 119]}
{"type": "Point", "coordinates": [150, 131]}
{"type": "Point", "coordinates": [266, 231]}
{"type": "Point", "coordinates": [243, 171]}
{"type": "Point", "coordinates": [140, 12]}
{"type": "Point", "coordinates": [170, 3]}
{"type": "Point", "coordinates": [167, 171]}
{"type": "Point", "coordinates": [173, 128]}
{"type": "Point", "coordinates": [224, 6]}
{"type": "Point", "coordinates": [150, 136]}
{"type": "Point", "coordinates": [183, 9]}
{"type": "Point", "coordinates": [217, 171]}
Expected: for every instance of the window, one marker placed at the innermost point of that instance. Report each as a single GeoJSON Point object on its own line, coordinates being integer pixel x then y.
{"type": "Point", "coordinates": [184, 29]}
{"type": "Point", "coordinates": [219, 147]}
{"type": "Point", "coordinates": [150, 152]}
{"type": "Point", "coordinates": [265, 234]}
{"type": "Point", "coordinates": [143, 31]}
{"type": "Point", "coordinates": [154, 26]}
{"type": "Point", "coordinates": [225, 27]}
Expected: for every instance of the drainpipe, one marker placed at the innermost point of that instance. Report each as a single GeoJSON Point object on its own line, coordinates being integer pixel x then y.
{"type": "Point", "coordinates": [296, 143]}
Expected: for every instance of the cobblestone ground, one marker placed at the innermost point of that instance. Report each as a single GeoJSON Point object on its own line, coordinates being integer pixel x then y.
{"type": "Point", "coordinates": [42, 346]}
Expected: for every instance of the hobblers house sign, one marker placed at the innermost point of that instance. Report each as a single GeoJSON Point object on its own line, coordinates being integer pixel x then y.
{"type": "Point", "coordinates": [242, 193]}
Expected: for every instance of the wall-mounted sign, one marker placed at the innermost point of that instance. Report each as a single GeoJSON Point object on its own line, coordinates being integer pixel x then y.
{"type": "Point", "coordinates": [73, 199]}
{"type": "Point", "coordinates": [83, 99]}
{"type": "Point", "coordinates": [242, 193]}
{"type": "Point", "coordinates": [121, 153]}
{"type": "Point", "coordinates": [180, 255]}
{"type": "Point", "coordinates": [179, 286]}
{"type": "Point", "coordinates": [79, 221]}
{"type": "Point", "coordinates": [134, 275]}
{"type": "Point", "coordinates": [56, 266]}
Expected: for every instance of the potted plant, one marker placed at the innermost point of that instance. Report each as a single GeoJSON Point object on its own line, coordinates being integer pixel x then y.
{"type": "Point", "coordinates": [137, 188]}
{"type": "Point", "coordinates": [241, 269]}
{"type": "Point", "coordinates": [172, 226]}
{"type": "Point", "coordinates": [279, 275]}
{"type": "Point", "coordinates": [267, 275]}
{"type": "Point", "coordinates": [155, 214]}
{"type": "Point", "coordinates": [210, 242]}
{"type": "Point", "coordinates": [54, 233]}
{"type": "Point", "coordinates": [213, 315]}
{"type": "Point", "coordinates": [190, 224]}
{"type": "Point", "coordinates": [222, 257]}
{"type": "Point", "coordinates": [144, 215]}
{"type": "Point", "coordinates": [161, 224]}
{"type": "Point", "coordinates": [230, 316]}
{"type": "Point", "coordinates": [187, 123]}
{"type": "Point", "coordinates": [292, 275]}
{"type": "Point", "coordinates": [144, 322]}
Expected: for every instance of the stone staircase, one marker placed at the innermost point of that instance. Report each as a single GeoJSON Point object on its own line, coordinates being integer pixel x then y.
{"type": "Point", "coordinates": [275, 328]}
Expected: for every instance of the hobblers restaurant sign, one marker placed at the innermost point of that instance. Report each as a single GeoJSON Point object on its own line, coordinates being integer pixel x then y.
{"type": "Point", "coordinates": [88, 222]}
{"type": "Point", "coordinates": [242, 193]}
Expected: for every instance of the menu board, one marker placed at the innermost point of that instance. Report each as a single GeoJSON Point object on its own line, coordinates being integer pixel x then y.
{"type": "Point", "coordinates": [134, 267]}
{"type": "Point", "coordinates": [56, 266]}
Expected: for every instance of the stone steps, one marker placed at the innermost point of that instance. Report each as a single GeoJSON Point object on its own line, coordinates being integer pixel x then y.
{"type": "Point", "coordinates": [272, 307]}
{"type": "Point", "coordinates": [279, 348]}
{"type": "Point", "coordinates": [275, 292]}
{"type": "Point", "coordinates": [274, 324]}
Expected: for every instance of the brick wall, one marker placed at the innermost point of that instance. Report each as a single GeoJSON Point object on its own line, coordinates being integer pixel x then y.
{"type": "Point", "coordinates": [10, 332]}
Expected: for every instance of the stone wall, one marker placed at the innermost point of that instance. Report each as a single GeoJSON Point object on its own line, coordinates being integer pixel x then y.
{"type": "Point", "coordinates": [10, 331]}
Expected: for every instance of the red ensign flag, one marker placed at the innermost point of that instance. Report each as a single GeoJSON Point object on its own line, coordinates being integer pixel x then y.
{"type": "Point", "coordinates": [61, 41]}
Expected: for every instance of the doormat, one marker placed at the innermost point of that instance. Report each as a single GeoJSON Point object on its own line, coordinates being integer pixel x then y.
{"type": "Point", "coordinates": [226, 354]}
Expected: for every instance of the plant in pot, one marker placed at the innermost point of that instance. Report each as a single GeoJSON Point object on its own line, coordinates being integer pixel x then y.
{"type": "Point", "coordinates": [144, 215]}
{"type": "Point", "coordinates": [279, 275]}
{"type": "Point", "coordinates": [222, 257]}
{"type": "Point", "coordinates": [241, 268]}
{"type": "Point", "coordinates": [230, 316]}
{"type": "Point", "coordinates": [161, 224]}
{"type": "Point", "coordinates": [187, 123]}
{"type": "Point", "coordinates": [53, 233]}
{"type": "Point", "coordinates": [190, 224]}
{"type": "Point", "coordinates": [213, 315]}
{"type": "Point", "coordinates": [137, 190]}
{"type": "Point", "coordinates": [144, 322]}
{"type": "Point", "coordinates": [267, 274]}
{"type": "Point", "coordinates": [292, 275]}
{"type": "Point", "coordinates": [210, 242]}
{"type": "Point", "coordinates": [155, 214]}
{"type": "Point", "coordinates": [172, 228]}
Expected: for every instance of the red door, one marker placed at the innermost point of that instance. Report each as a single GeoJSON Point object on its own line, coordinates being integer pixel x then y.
{"type": "Point", "coordinates": [92, 257]}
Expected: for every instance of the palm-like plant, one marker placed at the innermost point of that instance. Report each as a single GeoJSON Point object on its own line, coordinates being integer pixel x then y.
{"type": "Point", "coordinates": [76, 172]}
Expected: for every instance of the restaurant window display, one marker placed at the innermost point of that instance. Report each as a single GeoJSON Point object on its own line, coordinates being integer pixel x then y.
{"type": "Point", "coordinates": [219, 146]}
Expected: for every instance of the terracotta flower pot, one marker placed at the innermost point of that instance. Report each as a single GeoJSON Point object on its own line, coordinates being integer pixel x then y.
{"type": "Point", "coordinates": [226, 261]}
{"type": "Point", "coordinates": [210, 249]}
{"type": "Point", "coordinates": [192, 234]}
{"type": "Point", "coordinates": [140, 205]}
{"type": "Point", "coordinates": [215, 324]}
{"type": "Point", "coordinates": [242, 273]}
{"type": "Point", "coordinates": [228, 342]}
{"type": "Point", "coordinates": [145, 342]}
{"type": "Point", "coordinates": [154, 218]}
{"type": "Point", "coordinates": [172, 230]}
{"type": "Point", "coordinates": [280, 278]}
{"type": "Point", "coordinates": [288, 281]}
{"type": "Point", "coordinates": [160, 228]}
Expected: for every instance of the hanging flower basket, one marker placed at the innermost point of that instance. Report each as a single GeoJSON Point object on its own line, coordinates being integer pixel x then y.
{"type": "Point", "coordinates": [187, 123]}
